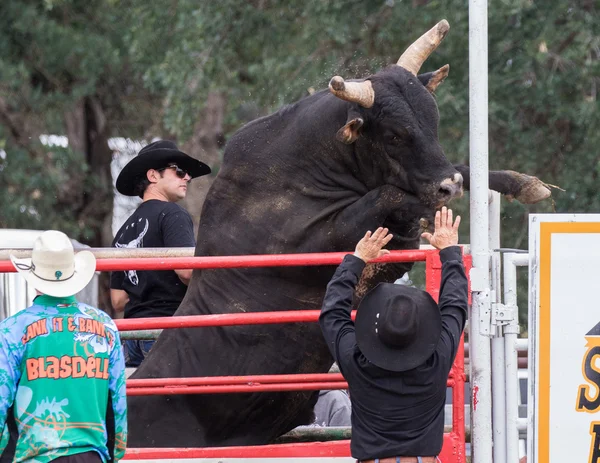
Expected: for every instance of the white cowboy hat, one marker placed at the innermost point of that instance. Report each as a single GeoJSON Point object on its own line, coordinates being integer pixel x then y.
{"type": "Point", "coordinates": [54, 268]}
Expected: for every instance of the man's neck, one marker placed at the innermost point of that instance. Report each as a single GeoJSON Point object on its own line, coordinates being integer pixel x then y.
{"type": "Point", "coordinates": [45, 299]}
{"type": "Point", "coordinates": [153, 194]}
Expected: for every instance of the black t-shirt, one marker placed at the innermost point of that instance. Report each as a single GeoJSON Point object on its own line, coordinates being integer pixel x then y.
{"type": "Point", "coordinates": [154, 224]}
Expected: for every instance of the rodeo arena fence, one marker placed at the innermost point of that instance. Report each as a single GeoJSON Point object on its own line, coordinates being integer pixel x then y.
{"type": "Point", "coordinates": [334, 441]}
{"type": "Point", "coordinates": [564, 250]}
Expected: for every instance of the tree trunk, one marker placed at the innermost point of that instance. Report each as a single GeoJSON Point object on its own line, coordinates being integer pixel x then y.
{"type": "Point", "coordinates": [204, 145]}
{"type": "Point", "coordinates": [87, 131]}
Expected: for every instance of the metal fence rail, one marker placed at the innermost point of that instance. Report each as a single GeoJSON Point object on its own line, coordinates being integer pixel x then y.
{"type": "Point", "coordinates": [454, 440]}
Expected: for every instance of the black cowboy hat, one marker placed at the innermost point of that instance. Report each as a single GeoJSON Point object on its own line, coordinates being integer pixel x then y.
{"type": "Point", "coordinates": [156, 156]}
{"type": "Point", "coordinates": [397, 327]}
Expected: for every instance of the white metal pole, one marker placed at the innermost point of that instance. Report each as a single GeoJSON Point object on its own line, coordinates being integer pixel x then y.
{"type": "Point", "coordinates": [511, 331]}
{"type": "Point", "coordinates": [481, 400]}
{"type": "Point", "coordinates": [498, 369]}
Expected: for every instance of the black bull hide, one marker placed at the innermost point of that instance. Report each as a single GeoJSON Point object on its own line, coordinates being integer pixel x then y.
{"type": "Point", "coordinates": [292, 183]}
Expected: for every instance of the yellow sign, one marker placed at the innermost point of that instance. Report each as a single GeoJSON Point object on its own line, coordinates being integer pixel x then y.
{"type": "Point", "coordinates": [565, 270]}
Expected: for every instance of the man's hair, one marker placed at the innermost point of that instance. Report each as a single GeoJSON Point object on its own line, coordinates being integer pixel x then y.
{"type": "Point", "coordinates": [143, 183]}
{"type": "Point", "coordinates": [140, 187]}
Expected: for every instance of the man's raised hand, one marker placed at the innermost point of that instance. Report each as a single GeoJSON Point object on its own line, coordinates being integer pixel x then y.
{"type": "Point", "coordinates": [370, 246]}
{"type": "Point", "coordinates": [446, 233]}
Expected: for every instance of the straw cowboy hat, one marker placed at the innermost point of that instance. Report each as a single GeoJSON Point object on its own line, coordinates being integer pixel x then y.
{"type": "Point", "coordinates": [156, 156]}
{"type": "Point", "coordinates": [54, 268]}
{"type": "Point", "coordinates": [397, 326]}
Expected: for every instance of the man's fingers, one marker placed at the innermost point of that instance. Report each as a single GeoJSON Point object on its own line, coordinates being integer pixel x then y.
{"type": "Point", "coordinates": [449, 219]}
{"type": "Point", "coordinates": [456, 223]}
{"type": "Point", "coordinates": [367, 235]}
{"type": "Point", "coordinates": [438, 220]}
{"type": "Point", "coordinates": [375, 234]}
{"type": "Point", "coordinates": [387, 239]}
{"type": "Point", "coordinates": [426, 236]}
{"type": "Point", "coordinates": [380, 233]}
{"type": "Point", "coordinates": [383, 252]}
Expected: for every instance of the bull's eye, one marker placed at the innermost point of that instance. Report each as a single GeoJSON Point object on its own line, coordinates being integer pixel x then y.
{"type": "Point", "coordinates": [398, 136]}
{"type": "Point", "coordinates": [401, 137]}
{"type": "Point", "coordinates": [400, 142]}
{"type": "Point", "coordinates": [396, 140]}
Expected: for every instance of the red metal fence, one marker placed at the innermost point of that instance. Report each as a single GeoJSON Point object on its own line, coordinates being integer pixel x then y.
{"type": "Point", "coordinates": [454, 442]}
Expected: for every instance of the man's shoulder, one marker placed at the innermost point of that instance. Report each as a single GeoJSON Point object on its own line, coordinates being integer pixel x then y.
{"type": "Point", "coordinates": [127, 223]}
{"type": "Point", "coordinates": [174, 213]}
{"type": "Point", "coordinates": [334, 398]}
{"type": "Point", "coordinates": [160, 208]}
{"type": "Point", "coordinates": [16, 322]}
{"type": "Point", "coordinates": [174, 208]}
{"type": "Point", "coordinates": [153, 207]}
{"type": "Point", "coordinates": [97, 314]}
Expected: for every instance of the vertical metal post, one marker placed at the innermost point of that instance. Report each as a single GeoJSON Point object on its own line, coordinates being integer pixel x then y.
{"type": "Point", "coordinates": [481, 439]}
{"type": "Point", "coordinates": [511, 331]}
{"type": "Point", "coordinates": [498, 369]}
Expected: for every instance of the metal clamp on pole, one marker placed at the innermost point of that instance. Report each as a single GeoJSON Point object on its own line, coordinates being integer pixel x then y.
{"type": "Point", "coordinates": [502, 314]}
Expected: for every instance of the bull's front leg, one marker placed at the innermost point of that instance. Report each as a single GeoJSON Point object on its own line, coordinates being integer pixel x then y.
{"type": "Point", "coordinates": [390, 207]}
{"type": "Point", "coordinates": [386, 206]}
{"type": "Point", "coordinates": [524, 188]}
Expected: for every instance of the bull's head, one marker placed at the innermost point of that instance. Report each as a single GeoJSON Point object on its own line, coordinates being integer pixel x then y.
{"type": "Point", "coordinates": [395, 121]}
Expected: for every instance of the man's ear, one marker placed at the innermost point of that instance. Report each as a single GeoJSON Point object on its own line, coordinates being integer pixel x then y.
{"type": "Point", "coordinates": [152, 175]}
{"type": "Point", "coordinates": [350, 132]}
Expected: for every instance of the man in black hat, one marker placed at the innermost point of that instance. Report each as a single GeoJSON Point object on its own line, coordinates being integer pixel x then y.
{"type": "Point", "coordinates": [159, 174]}
{"type": "Point", "coordinates": [398, 355]}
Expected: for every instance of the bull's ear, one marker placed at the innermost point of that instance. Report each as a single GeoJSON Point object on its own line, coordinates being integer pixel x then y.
{"type": "Point", "coordinates": [349, 133]}
{"type": "Point", "coordinates": [431, 80]}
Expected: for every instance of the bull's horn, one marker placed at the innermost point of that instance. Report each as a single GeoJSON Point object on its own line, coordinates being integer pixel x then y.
{"type": "Point", "coordinates": [415, 55]}
{"type": "Point", "coordinates": [357, 92]}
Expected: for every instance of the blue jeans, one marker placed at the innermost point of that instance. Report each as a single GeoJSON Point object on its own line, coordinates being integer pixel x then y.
{"type": "Point", "coordinates": [135, 351]}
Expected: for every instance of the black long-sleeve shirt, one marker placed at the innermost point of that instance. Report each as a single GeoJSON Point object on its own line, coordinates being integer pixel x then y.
{"type": "Point", "coordinates": [395, 413]}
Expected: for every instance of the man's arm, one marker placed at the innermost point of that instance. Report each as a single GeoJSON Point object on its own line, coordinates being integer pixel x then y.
{"type": "Point", "coordinates": [119, 298]}
{"type": "Point", "coordinates": [178, 231]}
{"type": "Point", "coordinates": [454, 287]}
{"type": "Point", "coordinates": [336, 323]}
{"type": "Point", "coordinates": [116, 387]}
{"type": "Point", "coordinates": [185, 275]}
{"type": "Point", "coordinates": [453, 302]}
{"type": "Point", "coordinates": [9, 378]}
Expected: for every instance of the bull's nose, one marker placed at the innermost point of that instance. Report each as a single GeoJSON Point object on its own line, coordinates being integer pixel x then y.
{"type": "Point", "coordinates": [452, 187]}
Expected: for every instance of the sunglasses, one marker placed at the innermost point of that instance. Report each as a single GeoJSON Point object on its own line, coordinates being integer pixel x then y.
{"type": "Point", "coordinates": [178, 170]}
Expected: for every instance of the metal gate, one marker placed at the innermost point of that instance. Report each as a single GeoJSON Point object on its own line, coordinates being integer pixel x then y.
{"type": "Point", "coordinates": [454, 441]}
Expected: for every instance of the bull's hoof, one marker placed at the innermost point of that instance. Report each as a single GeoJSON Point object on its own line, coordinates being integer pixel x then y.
{"type": "Point", "coordinates": [532, 190]}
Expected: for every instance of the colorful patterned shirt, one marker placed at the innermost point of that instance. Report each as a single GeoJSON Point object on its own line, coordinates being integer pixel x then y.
{"type": "Point", "coordinates": [59, 361]}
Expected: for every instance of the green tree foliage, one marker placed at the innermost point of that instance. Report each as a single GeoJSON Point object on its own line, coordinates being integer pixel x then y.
{"type": "Point", "coordinates": [543, 76]}
{"type": "Point", "coordinates": [150, 67]}
{"type": "Point", "coordinates": [35, 197]}
{"type": "Point", "coordinates": [63, 70]}
{"type": "Point", "coordinates": [543, 65]}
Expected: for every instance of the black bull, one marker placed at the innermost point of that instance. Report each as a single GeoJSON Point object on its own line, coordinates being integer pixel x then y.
{"type": "Point", "coordinates": [313, 177]}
